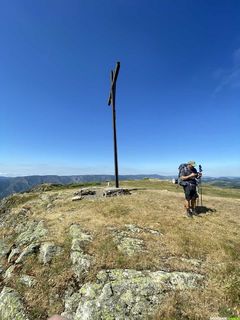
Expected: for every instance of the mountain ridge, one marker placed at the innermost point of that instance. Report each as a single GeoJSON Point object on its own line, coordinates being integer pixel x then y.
{"type": "Point", "coordinates": [11, 185]}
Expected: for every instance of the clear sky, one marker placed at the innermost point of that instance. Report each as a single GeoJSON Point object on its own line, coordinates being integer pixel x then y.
{"type": "Point", "coordinates": [178, 90]}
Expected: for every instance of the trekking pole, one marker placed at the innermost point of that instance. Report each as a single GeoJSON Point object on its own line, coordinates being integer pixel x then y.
{"type": "Point", "coordinates": [200, 184]}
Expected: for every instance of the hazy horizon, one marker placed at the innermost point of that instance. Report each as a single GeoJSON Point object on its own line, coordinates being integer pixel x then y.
{"type": "Point", "coordinates": [108, 174]}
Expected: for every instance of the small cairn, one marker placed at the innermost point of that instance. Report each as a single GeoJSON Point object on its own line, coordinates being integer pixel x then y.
{"type": "Point", "coordinates": [112, 192]}
{"type": "Point", "coordinates": [79, 195]}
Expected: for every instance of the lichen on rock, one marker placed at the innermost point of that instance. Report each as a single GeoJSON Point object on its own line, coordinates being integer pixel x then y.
{"type": "Point", "coordinates": [81, 261]}
{"type": "Point", "coordinates": [47, 251]}
{"type": "Point", "coordinates": [128, 294]}
{"type": "Point", "coordinates": [34, 231]}
{"type": "Point", "coordinates": [11, 306]}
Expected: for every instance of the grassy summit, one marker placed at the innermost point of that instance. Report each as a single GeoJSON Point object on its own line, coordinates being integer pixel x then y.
{"type": "Point", "coordinates": [146, 230]}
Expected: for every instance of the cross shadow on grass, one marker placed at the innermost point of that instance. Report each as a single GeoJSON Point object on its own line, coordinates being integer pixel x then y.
{"type": "Point", "coordinates": [204, 210]}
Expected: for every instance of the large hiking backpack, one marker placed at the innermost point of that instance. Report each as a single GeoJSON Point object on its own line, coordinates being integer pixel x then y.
{"type": "Point", "coordinates": [181, 169]}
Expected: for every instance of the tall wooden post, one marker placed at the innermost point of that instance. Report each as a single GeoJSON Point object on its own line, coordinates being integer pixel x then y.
{"type": "Point", "coordinates": [111, 101]}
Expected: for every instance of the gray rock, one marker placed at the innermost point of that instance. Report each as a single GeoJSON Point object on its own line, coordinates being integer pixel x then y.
{"type": "Point", "coordinates": [11, 306]}
{"type": "Point", "coordinates": [127, 240]}
{"type": "Point", "coordinates": [31, 249]}
{"type": "Point", "coordinates": [50, 206]}
{"type": "Point", "coordinates": [191, 262]}
{"type": "Point", "coordinates": [71, 305]}
{"type": "Point", "coordinates": [5, 248]}
{"type": "Point", "coordinates": [135, 229]}
{"type": "Point", "coordinates": [85, 192]}
{"type": "Point", "coordinates": [34, 232]}
{"type": "Point", "coordinates": [81, 263]}
{"type": "Point", "coordinates": [1, 269]}
{"type": "Point", "coordinates": [112, 192]}
{"type": "Point", "coordinates": [13, 254]}
{"type": "Point", "coordinates": [76, 198]}
{"type": "Point", "coordinates": [29, 281]}
{"type": "Point", "coordinates": [78, 234]}
{"type": "Point", "coordinates": [47, 251]}
{"type": "Point", "coordinates": [130, 246]}
{"type": "Point", "coordinates": [8, 273]}
{"type": "Point", "coordinates": [80, 260]}
{"type": "Point", "coordinates": [127, 294]}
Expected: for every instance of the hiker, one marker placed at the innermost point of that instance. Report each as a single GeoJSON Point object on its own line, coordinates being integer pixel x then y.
{"type": "Point", "coordinates": [188, 176]}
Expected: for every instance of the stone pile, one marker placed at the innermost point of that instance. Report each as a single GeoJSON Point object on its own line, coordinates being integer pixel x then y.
{"type": "Point", "coordinates": [112, 192]}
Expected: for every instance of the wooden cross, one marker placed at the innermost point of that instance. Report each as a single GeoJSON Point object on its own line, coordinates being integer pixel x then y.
{"type": "Point", "coordinates": [111, 101]}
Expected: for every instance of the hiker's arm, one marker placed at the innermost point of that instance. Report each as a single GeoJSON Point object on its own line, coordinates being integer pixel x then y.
{"type": "Point", "coordinates": [192, 175]}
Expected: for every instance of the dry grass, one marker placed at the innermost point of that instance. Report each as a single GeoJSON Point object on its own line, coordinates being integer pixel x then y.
{"type": "Point", "coordinates": [212, 238]}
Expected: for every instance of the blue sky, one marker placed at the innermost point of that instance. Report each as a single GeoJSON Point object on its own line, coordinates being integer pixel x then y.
{"type": "Point", "coordinates": [178, 89]}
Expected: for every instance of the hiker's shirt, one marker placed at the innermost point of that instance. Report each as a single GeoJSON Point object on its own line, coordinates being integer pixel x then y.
{"type": "Point", "coordinates": [186, 172]}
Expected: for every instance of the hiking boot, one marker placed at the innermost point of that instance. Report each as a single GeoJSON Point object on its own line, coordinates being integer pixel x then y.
{"type": "Point", "coordinates": [194, 212]}
{"type": "Point", "coordinates": [189, 213]}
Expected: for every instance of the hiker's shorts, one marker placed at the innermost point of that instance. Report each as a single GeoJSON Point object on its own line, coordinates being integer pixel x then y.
{"type": "Point", "coordinates": [190, 191]}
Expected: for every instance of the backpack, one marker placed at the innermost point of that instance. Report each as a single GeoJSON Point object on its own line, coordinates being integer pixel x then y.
{"type": "Point", "coordinates": [181, 169]}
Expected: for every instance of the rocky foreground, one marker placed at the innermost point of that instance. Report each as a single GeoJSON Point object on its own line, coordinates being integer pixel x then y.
{"type": "Point", "coordinates": [87, 256]}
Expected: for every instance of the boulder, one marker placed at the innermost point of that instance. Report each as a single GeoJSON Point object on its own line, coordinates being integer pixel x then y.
{"type": "Point", "coordinates": [127, 294]}
{"type": "Point", "coordinates": [34, 231]}
{"type": "Point", "coordinates": [80, 260]}
{"type": "Point", "coordinates": [81, 263]}
{"type": "Point", "coordinates": [14, 254]}
{"type": "Point", "coordinates": [5, 248]}
{"type": "Point", "coordinates": [31, 249]}
{"type": "Point", "coordinates": [77, 198]}
{"type": "Point", "coordinates": [11, 306]}
{"type": "Point", "coordinates": [9, 272]}
{"type": "Point", "coordinates": [47, 251]}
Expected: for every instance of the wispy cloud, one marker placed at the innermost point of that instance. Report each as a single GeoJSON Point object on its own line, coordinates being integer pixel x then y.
{"type": "Point", "coordinates": [229, 76]}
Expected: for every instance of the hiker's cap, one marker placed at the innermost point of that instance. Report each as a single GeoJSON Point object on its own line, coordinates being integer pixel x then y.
{"type": "Point", "coordinates": [193, 163]}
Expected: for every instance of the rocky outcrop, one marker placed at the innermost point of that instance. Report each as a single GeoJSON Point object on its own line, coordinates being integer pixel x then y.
{"type": "Point", "coordinates": [11, 306]}
{"type": "Point", "coordinates": [47, 252]}
{"type": "Point", "coordinates": [81, 261]}
{"type": "Point", "coordinates": [76, 281]}
{"type": "Point", "coordinates": [26, 241]}
{"type": "Point", "coordinates": [126, 294]}
{"type": "Point", "coordinates": [5, 248]}
{"type": "Point", "coordinates": [128, 239]}
{"type": "Point", "coordinates": [31, 249]}
{"type": "Point", "coordinates": [34, 231]}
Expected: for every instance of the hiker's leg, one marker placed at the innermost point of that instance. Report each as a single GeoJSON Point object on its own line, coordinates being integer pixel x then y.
{"type": "Point", "coordinates": [194, 197]}
{"type": "Point", "coordinates": [187, 204]}
{"type": "Point", "coordinates": [193, 204]}
{"type": "Point", "coordinates": [187, 200]}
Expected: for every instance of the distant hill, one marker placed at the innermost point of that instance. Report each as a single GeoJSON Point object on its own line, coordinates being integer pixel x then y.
{"type": "Point", "coordinates": [224, 182]}
{"type": "Point", "coordinates": [10, 185]}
